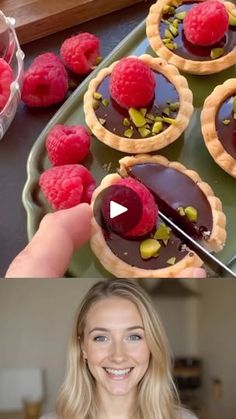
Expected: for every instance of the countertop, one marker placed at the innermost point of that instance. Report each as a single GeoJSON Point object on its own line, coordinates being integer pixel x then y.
{"type": "Point", "coordinates": [28, 124]}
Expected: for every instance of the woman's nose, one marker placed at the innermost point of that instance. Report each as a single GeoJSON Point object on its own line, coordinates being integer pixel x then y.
{"type": "Point", "coordinates": [118, 352]}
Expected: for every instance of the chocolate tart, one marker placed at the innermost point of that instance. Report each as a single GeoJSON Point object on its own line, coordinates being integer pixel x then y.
{"type": "Point", "coordinates": [171, 88]}
{"type": "Point", "coordinates": [219, 126]}
{"type": "Point", "coordinates": [186, 56]}
{"type": "Point", "coordinates": [172, 186]}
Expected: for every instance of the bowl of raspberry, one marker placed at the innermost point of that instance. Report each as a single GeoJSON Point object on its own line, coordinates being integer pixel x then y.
{"type": "Point", "coordinates": [11, 72]}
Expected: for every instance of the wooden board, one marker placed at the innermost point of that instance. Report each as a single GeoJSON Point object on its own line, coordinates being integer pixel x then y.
{"type": "Point", "coordinates": [38, 18]}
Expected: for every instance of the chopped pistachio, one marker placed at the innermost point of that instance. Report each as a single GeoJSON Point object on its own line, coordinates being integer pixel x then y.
{"type": "Point", "coordinates": [129, 132]}
{"type": "Point", "coordinates": [216, 53]}
{"type": "Point", "coordinates": [158, 118]}
{"type": "Point", "coordinates": [180, 15]}
{"type": "Point", "coordinates": [232, 19]}
{"type": "Point", "coordinates": [191, 213]}
{"type": "Point", "coordinates": [181, 211]}
{"type": "Point", "coordinates": [176, 23]}
{"type": "Point", "coordinates": [171, 261]}
{"type": "Point", "coordinates": [162, 233]}
{"type": "Point", "coordinates": [234, 107]}
{"type": "Point", "coordinates": [97, 96]}
{"type": "Point", "coordinates": [168, 120]}
{"type": "Point", "coordinates": [157, 127]}
{"type": "Point", "coordinates": [105, 102]}
{"type": "Point", "coordinates": [149, 248]}
{"type": "Point", "coordinates": [147, 126]}
{"type": "Point", "coordinates": [166, 111]}
{"type": "Point", "coordinates": [143, 111]}
{"type": "Point", "coordinates": [126, 122]}
{"type": "Point", "coordinates": [167, 9]}
{"type": "Point", "coordinates": [171, 46]}
{"type": "Point", "coordinates": [168, 34]}
{"type": "Point", "coordinates": [144, 132]}
{"type": "Point", "coordinates": [150, 116]}
{"type": "Point", "coordinates": [166, 40]}
{"type": "Point", "coordinates": [95, 104]}
{"type": "Point", "coordinates": [137, 117]}
{"type": "Point", "coordinates": [173, 30]}
{"type": "Point", "coordinates": [149, 121]}
{"type": "Point", "coordinates": [102, 121]}
{"type": "Point", "coordinates": [174, 106]}
{"type": "Point", "coordinates": [226, 121]}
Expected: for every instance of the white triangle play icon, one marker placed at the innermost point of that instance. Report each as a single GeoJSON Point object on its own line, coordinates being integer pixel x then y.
{"type": "Point", "coordinates": [116, 209]}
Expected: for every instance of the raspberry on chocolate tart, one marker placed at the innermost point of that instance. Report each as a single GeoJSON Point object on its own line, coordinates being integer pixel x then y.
{"type": "Point", "coordinates": [198, 36]}
{"type": "Point", "coordinates": [138, 104]}
{"type": "Point", "coordinates": [218, 121]}
{"type": "Point", "coordinates": [153, 250]}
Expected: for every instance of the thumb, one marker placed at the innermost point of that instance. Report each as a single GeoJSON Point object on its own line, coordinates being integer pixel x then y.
{"type": "Point", "coordinates": [50, 250]}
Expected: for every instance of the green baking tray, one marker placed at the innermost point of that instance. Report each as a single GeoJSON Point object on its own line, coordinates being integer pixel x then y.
{"type": "Point", "coordinates": [189, 149]}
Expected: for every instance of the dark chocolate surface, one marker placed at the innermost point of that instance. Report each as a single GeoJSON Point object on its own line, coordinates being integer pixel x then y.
{"type": "Point", "coordinates": [194, 52]}
{"type": "Point", "coordinates": [227, 133]}
{"type": "Point", "coordinates": [115, 114]}
{"type": "Point", "coordinates": [175, 190]}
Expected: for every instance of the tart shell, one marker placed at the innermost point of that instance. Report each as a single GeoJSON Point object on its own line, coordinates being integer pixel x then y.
{"type": "Point", "coordinates": [189, 66]}
{"type": "Point", "coordinates": [208, 117]}
{"type": "Point", "coordinates": [121, 269]}
{"type": "Point", "coordinates": [148, 144]}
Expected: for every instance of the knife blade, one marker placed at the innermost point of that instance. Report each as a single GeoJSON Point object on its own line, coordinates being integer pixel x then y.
{"type": "Point", "coordinates": [218, 267]}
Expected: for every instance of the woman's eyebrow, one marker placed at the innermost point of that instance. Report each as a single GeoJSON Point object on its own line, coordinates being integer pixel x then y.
{"type": "Point", "coordinates": [103, 329]}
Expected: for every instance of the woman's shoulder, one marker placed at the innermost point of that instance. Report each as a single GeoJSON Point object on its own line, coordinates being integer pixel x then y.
{"type": "Point", "coordinates": [49, 416]}
{"type": "Point", "coordinates": [186, 414]}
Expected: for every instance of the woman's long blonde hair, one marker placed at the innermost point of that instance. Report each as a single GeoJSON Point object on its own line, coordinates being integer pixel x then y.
{"type": "Point", "coordinates": [157, 396]}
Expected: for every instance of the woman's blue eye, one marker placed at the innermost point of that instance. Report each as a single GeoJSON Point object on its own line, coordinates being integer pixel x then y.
{"type": "Point", "coordinates": [134, 337]}
{"type": "Point", "coordinates": [100, 338]}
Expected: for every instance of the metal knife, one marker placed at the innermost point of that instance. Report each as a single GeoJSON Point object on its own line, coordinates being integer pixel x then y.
{"type": "Point", "coordinates": [208, 258]}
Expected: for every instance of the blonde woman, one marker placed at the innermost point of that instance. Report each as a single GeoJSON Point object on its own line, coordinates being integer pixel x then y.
{"type": "Point", "coordinates": [118, 359]}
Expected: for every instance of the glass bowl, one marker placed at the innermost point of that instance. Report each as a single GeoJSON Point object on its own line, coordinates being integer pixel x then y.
{"type": "Point", "coordinates": [11, 52]}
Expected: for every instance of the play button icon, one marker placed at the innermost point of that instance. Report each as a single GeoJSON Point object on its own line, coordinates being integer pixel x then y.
{"type": "Point", "coordinates": [116, 209]}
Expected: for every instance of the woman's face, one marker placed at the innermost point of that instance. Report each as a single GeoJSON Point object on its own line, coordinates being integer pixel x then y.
{"type": "Point", "coordinates": [115, 345]}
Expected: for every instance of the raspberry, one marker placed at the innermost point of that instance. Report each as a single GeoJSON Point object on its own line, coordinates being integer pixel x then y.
{"type": "Point", "coordinates": [132, 83]}
{"type": "Point", "coordinates": [45, 82]}
{"type": "Point", "coordinates": [80, 52]}
{"type": "Point", "coordinates": [150, 211]}
{"type": "Point", "coordinates": [206, 23]}
{"type": "Point", "coordinates": [67, 144]}
{"type": "Point", "coordinates": [67, 186]}
{"type": "Point", "coordinates": [6, 78]}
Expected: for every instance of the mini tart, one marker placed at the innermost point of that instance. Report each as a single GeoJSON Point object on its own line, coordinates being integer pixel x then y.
{"type": "Point", "coordinates": [193, 66]}
{"type": "Point", "coordinates": [117, 260]}
{"type": "Point", "coordinates": [176, 85]}
{"type": "Point", "coordinates": [219, 126]}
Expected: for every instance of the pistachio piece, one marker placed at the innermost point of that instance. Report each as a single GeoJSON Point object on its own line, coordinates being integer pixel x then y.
{"type": "Point", "coordinates": [191, 213]}
{"type": "Point", "coordinates": [176, 23]}
{"type": "Point", "coordinates": [162, 232]}
{"type": "Point", "coordinates": [174, 106]}
{"type": "Point", "coordinates": [95, 104]}
{"type": "Point", "coordinates": [167, 9]}
{"type": "Point", "coordinates": [171, 46]}
{"type": "Point", "coordinates": [97, 96]}
{"type": "Point", "coordinates": [149, 248]}
{"type": "Point", "coordinates": [173, 30]}
{"type": "Point", "coordinates": [216, 53]}
{"type": "Point", "coordinates": [226, 121]}
{"type": "Point", "coordinates": [150, 116]}
{"type": "Point", "coordinates": [137, 117]}
{"type": "Point", "coordinates": [102, 121]}
{"type": "Point", "coordinates": [168, 120]}
{"type": "Point", "coordinates": [171, 261]}
{"type": "Point", "coordinates": [158, 118]}
{"type": "Point", "coordinates": [232, 19]}
{"type": "Point", "coordinates": [180, 15]}
{"type": "Point", "coordinates": [105, 102]}
{"type": "Point", "coordinates": [234, 107]}
{"type": "Point", "coordinates": [126, 122]}
{"type": "Point", "coordinates": [144, 132]}
{"type": "Point", "coordinates": [166, 111]}
{"type": "Point", "coordinates": [143, 111]}
{"type": "Point", "coordinates": [181, 211]}
{"type": "Point", "coordinates": [165, 41]}
{"type": "Point", "coordinates": [129, 132]}
{"type": "Point", "coordinates": [157, 127]}
{"type": "Point", "coordinates": [168, 34]}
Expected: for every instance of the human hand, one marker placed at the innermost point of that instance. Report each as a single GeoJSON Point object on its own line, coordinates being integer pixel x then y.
{"type": "Point", "coordinates": [50, 250]}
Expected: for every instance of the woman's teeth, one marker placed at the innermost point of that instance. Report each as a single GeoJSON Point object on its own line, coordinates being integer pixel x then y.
{"type": "Point", "coordinates": [117, 372]}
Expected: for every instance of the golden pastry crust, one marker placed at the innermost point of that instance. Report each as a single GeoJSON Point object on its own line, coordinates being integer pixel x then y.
{"type": "Point", "coordinates": [189, 66]}
{"type": "Point", "coordinates": [148, 144]}
{"type": "Point", "coordinates": [121, 269]}
{"type": "Point", "coordinates": [208, 117]}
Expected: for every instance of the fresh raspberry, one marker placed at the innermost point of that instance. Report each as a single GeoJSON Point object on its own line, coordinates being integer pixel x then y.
{"type": "Point", "coordinates": [80, 52]}
{"type": "Point", "coordinates": [67, 186]}
{"type": "Point", "coordinates": [6, 78]}
{"type": "Point", "coordinates": [132, 83]}
{"type": "Point", "coordinates": [206, 23]}
{"type": "Point", "coordinates": [45, 82]}
{"type": "Point", "coordinates": [150, 211]}
{"type": "Point", "coordinates": [67, 144]}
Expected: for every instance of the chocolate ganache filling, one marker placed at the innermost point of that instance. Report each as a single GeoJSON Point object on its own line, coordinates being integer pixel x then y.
{"type": "Point", "coordinates": [171, 190]}
{"type": "Point", "coordinates": [186, 49]}
{"type": "Point", "coordinates": [226, 126]}
{"type": "Point", "coordinates": [113, 115]}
